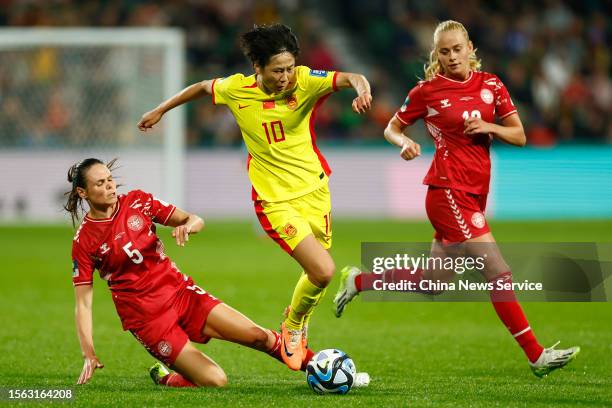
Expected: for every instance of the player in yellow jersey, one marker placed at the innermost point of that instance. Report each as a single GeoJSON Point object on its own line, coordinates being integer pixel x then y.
{"type": "Point", "coordinates": [275, 110]}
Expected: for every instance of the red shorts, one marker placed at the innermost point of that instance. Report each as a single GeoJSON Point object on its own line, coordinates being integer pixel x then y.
{"type": "Point", "coordinates": [456, 215]}
{"type": "Point", "coordinates": [165, 336]}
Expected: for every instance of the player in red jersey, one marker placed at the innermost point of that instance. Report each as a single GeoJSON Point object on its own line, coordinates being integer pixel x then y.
{"type": "Point", "coordinates": [163, 308]}
{"type": "Point", "coordinates": [458, 104]}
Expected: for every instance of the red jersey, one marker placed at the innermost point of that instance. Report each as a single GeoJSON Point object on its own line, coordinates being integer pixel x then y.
{"type": "Point", "coordinates": [461, 161]}
{"type": "Point", "coordinates": [130, 257]}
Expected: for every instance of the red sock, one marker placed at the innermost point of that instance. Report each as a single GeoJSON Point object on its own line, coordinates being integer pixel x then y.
{"type": "Point", "coordinates": [365, 281]}
{"type": "Point", "coordinates": [275, 351]}
{"type": "Point", "coordinates": [511, 314]}
{"type": "Point", "coordinates": [176, 380]}
{"type": "Point", "coordinates": [307, 358]}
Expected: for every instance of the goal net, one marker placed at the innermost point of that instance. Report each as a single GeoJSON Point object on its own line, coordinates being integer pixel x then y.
{"type": "Point", "coordinates": [67, 94]}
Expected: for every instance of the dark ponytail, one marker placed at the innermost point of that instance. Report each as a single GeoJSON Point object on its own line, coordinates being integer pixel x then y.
{"type": "Point", "coordinates": [76, 176]}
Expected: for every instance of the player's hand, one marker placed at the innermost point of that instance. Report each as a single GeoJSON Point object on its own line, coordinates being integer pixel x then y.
{"type": "Point", "coordinates": [149, 119]}
{"type": "Point", "coordinates": [474, 126]}
{"type": "Point", "coordinates": [181, 234]}
{"type": "Point", "coordinates": [362, 103]}
{"type": "Point", "coordinates": [410, 150]}
{"type": "Point", "coordinates": [89, 366]}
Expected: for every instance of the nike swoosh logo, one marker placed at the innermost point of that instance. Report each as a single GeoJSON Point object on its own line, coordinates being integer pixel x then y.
{"type": "Point", "coordinates": [287, 351]}
{"type": "Point", "coordinates": [243, 106]}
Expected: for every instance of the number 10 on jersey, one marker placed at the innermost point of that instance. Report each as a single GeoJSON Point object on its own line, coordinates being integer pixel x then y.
{"type": "Point", "coordinates": [276, 128]}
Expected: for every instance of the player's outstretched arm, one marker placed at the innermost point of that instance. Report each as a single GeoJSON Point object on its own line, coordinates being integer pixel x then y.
{"type": "Point", "coordinates": [395, 135]}
{"type": "Point", "coordinates": [510, 131]}
{"type": "Point", "coordinates": [84, 325]}
{"type": "Point", "coordinates": [185, 224]}
{"type": "Point", "coordinates": [190, 93]}
{"type": "Point", "coordinates": [363, 100]}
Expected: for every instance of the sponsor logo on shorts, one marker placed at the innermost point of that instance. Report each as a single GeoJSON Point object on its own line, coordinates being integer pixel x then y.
{"type": "Point", "coordinates": [164, 348]}
{"type": "Point", "coordinates": [289, 230]}
{"type": "Point", "coordinates": [292, 102]}
{"type": "Point", "coordinates": [135, 223]}
{"type": "Point", "coordinates": [478, 220]}
{"type": "Point", "coordinates": [487, 96]}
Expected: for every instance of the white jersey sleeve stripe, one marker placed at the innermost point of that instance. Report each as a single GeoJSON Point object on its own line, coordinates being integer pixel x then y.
{"type": "Point", "coordinates": [508, 114]}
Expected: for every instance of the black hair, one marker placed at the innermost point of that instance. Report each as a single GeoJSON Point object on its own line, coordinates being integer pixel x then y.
{"type": "Point", "coordinates": [264, 41]}
{"type": "Point", "coordinates": [76, 176]}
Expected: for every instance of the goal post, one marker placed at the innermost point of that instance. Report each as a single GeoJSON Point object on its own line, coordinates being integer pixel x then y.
{"type": "Point", "coordinates": [83, 90]}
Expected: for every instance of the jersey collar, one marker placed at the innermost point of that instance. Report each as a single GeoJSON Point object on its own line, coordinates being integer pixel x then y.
{"type": "Point", "coordinates": [88, 218]}
{"type": "Point", "coordinates": [470, 75]}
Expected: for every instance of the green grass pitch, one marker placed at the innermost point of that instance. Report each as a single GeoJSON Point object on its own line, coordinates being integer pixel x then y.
{"type": "Point", "coordinates": [418, 354]}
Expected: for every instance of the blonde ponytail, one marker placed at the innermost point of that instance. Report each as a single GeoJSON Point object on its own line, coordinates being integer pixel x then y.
{"type": "Point", "coordinates": [434, 66]}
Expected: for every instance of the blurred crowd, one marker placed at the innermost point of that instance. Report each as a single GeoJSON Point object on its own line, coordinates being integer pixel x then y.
{"type": "Point", "coordinates": [554, 57]}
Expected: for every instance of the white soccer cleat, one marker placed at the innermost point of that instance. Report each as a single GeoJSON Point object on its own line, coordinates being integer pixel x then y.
{"type": "Point", "coordinates": [347, 290]}
{"type": "Point", "coordinates": [361, 380]}
{"type": "Point", "coordinates": [552, 359]}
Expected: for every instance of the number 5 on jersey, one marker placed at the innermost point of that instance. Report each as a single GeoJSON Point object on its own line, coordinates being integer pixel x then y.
{"type": "Point", "coordinates": [278, 133]}
{"type": "Point", "coordinates": [134, 254]}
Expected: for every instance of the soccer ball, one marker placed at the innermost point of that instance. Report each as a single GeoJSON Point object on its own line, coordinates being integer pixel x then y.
{"type": "Point", "coordinates": [330, 371]}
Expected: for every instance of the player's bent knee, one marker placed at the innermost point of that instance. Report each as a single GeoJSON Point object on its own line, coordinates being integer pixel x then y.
{"type": "Point", "coordinates": [323, 275]}
{"type": "Point", "coordinates": [214, 377]}
{"type": "Point", "coordinates": [219, 380]}
{"type": "Point", "coordinates": [328, 274]}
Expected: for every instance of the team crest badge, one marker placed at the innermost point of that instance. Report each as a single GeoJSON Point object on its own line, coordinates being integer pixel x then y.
{"type": "Point", "coordinates": [164, 348]}
{"type": "Point", "coordinates": [292, 102]}
{"type": "Point", "coordinates": [135, 223]}
{"type": "Point", "coordinates": [478, 220]}
{"type": "Point", "coordinates": [290, 230]}
{"type": "Point", "coordinates": [486, 95]}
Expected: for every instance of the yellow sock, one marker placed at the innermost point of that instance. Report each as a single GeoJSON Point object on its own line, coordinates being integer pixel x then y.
{"type": "Point", "coordinates": [309, 314]}
{"type": "Point", "coordinates": [305, 298]}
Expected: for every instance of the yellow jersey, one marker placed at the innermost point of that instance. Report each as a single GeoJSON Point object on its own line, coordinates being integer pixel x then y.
{"type": "Point", "coordinates": [284, 161]}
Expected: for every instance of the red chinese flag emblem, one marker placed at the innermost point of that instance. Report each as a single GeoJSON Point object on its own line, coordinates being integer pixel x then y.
{"type": "Point", "coordinates": [268, 105]}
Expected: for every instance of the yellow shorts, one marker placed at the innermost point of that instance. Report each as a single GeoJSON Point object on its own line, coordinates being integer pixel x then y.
{"type": "Point", "coordinates": [289, 222]}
